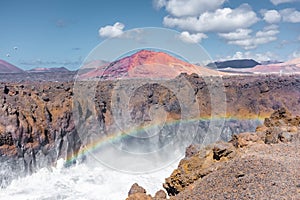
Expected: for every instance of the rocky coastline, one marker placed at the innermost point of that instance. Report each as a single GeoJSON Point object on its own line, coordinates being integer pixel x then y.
{"type": "Point", "coordinates": [253, 165]}
{"type": "Point", "coordinates": [37, 126]}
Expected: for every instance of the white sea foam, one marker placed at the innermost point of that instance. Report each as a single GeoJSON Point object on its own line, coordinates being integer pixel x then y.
{"type": "Point", "coordinates": [81, 182]}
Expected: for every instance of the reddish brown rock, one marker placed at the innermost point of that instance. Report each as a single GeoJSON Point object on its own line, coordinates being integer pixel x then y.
{"type": "Point", "coordinates": [135, 188]}
{"type": "Point", "coordinates": [137, 192]}
{"type": "Point", "coordinates": [160, 195]}
{"type": "Point", "coordinates": [37, 127]}
{"type": "Point", "coordinates": [254, 170]}
{"type": "Point", "coordinates": [195, 167]}
{"type": "Point", "coordinates": [247, 167]}
{"type": "Point", "coordinates": [244, 139]}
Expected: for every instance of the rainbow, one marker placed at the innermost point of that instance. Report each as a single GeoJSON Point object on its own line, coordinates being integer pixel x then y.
{"type": "Point", "coordinates": [136, 130]}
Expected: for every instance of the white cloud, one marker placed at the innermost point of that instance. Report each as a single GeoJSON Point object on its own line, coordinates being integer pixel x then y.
{"type": "Point", "coordinates": [243, 38]}
{"type": "Point", "coordinates": [268, 31]}
{"type": "Point", "coordinates": [181, 8]}
{"type": "Point", "coordinates": [221, 20]}
{"type": "Point", "coordinates": [290, 15]}
{"type": "Point", "coordinates": [276, 2]}
{"type": "Point", "coordinates": [295, 54]}
{"type": "Point", "coordinates": [266, 56]}
{"type": "Point", "coordinates": [112, 31]}
{"type": "Point", "coordinates": [158, 4]}
{"type": "Point", "coordinates": [192, 38]}
{"type": "Point", "coordinates": [239, 34]}
{"type": "Point", "coordinates": [271, 16]}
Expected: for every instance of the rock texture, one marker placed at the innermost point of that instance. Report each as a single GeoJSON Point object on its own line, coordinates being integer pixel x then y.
{"type": "Point", "coordinates": [37, 126]}
{"type": "Point", "coordinates": [259, 165]}
{"type": "Point", "coordinates": [27, 77]}
{"type": "Point", "coordinates": [137, 192]}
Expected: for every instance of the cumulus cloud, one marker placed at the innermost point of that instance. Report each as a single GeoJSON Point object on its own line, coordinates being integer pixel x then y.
{"type": "Point", "coordinates": [239, 34]}
{"type": "Point", "coordinates": [290, 15]}
{"type": "Point", "coordinates": [268, 31]}
{"type": "Point", "coordinates": [243, 38]}
{"type": "Point", "coordinates": [180, 8]}
{"type": "Point", "coordinates": [271, 16]}
{"type": "Point", "coordinates": [192, 38]}
{"type": "Point", "coordinates": [266, 56]}
{"type": "Point", "coordinates": [276, 2]}
{"type": "Point", "coordinates": [220, 20]}
{"type": "Point", "coordinates": [112, 31]}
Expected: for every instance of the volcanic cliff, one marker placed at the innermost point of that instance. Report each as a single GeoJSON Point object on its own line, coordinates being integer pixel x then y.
{"type": "Point", "coordinates": [252, 165]}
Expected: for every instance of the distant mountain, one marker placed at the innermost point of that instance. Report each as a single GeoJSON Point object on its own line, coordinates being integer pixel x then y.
{"type": "Point", "coordinates": [242, 63]}
{"type": "Point", "coordinates": [270, 62]}
{"type": "Point", "coordinates": [147, 64]}
{"type": "Point", "coordinates": [43, 69]}
{"type": "Point", "coordinates": [6, 67]}
{"type": "Point", "coordinates": [292, 66]}
{"type": "Point", "coordinates": [95, 67]}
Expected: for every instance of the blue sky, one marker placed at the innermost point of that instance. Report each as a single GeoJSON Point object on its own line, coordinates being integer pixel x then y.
{"type": "Point", "coordinates": [54, 33]}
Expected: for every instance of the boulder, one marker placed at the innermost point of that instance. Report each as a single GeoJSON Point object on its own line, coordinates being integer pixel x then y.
{"type": "Point", "coordinates": [137, 192]}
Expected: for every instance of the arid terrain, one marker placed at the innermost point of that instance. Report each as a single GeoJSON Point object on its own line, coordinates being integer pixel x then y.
{"type": "Point", "coordinates": [150, 100]}
{"type": "Point", "coordinates": [252, 165]}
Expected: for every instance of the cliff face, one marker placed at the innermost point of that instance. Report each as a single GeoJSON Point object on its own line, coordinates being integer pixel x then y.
{"type": "Point", "coordinates": [37, 126]}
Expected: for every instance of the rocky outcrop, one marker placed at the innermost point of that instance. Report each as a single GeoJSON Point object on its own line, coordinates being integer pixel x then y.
{"type": "Point", "coordinates": [37, 126]}
{"type": "Point", "coordinates": [205, 161]}
{"type": "Point", "coordinates": [137, 192]}
{"type": "Point", "coordinates": [261, 164]}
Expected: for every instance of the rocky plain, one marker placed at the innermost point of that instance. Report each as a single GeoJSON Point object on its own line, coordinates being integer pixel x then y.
{"type": "Point", "coordinates": [37, 128]}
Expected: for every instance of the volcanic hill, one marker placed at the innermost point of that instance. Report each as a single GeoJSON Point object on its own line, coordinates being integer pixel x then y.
{"type": "Point", "coordinates": [147, 64]}
{"type": "Point", "coordinates": [6, 67]}
{"type": "Point", "coordinates": [44, 69]}
{"type": "Point", "coordinates": [241, 63]}
{"type": "Point", "coordinates": [292, 66]}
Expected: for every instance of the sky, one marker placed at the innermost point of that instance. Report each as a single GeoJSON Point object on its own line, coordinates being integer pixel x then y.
{"type": "Point", "coordinates": [55, 33]}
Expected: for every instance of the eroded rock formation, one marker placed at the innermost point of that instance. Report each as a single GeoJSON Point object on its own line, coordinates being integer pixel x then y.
{"type": "Point", "coordinates": [255, 165]}
{"type": "Point", "coordinates": [37, 126]}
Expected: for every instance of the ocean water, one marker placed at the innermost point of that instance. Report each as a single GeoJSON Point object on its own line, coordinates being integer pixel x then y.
{"type": "Point", "coordinates": [91, 180]}
{"type": "Point", "coordinates": [82, 182]}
